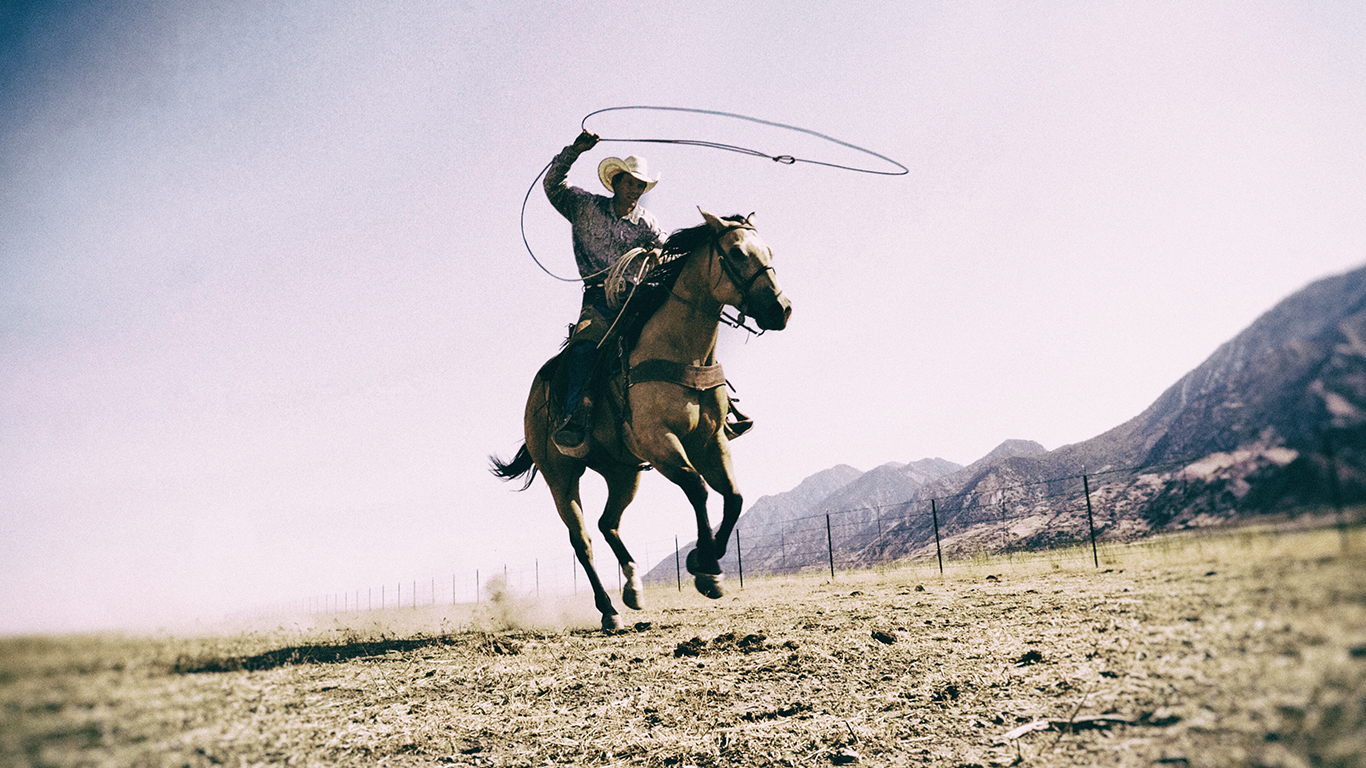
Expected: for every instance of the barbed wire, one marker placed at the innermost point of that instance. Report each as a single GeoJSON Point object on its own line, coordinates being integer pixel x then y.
{"type": "Point", "coordinates": [864, 537]}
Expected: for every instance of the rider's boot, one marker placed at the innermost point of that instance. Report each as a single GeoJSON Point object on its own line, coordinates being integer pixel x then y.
{"type": "Point", "coordinates": [572, 438]}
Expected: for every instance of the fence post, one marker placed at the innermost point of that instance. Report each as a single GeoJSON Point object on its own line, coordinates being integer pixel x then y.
{"type": "Point", "coordinates": [739, 559]}
{"type": "Point", "coordinates": [1005, 543]}
{"type": "Point", "coordinates": [538, 578]}
{"type": "Point", "coordinates": [1335, 487]}
{"type": "Point", "coordinates": [678, 569]}
{"type": "Point", "coordinates": [477, 589]}
{"type": "Point", "coordinates": [1090, 521]}
{"type": "Point", "coordinates": [934, 513]}
{"type": "Point", "coordinates": [830, 547]}
{"type": "Point", "coordinates": [782, 542]}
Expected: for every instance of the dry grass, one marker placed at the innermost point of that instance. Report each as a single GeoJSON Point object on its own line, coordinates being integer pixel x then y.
{"type": "Point", "coordinates": [1246, 650]}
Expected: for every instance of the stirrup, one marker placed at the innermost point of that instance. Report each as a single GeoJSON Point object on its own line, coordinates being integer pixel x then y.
{"type": "Point", "coordinates": [736, 428]}
{"type": "Point", "coordinates": [581, 422]}
{"type": "Point", "coordinates": [572, 451]}
{"type": "Point", "coordinates": [737, 423]}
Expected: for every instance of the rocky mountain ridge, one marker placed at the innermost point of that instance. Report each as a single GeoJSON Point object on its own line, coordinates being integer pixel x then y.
{"type": "Point", "coordinates": [1273, 421]}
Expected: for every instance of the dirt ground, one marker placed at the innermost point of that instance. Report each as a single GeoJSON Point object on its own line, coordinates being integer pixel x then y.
{"type": "Point", "coordinates": [1246, 650]}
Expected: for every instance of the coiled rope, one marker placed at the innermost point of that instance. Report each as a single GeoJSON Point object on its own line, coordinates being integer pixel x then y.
{"type": "Point", "coordinates": [782, 159]}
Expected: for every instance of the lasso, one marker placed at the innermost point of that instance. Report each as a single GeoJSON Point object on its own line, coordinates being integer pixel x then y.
{"type": "Point", "coordinates": [782, 159]}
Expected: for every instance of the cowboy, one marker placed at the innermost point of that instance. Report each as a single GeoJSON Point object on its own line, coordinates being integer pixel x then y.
{"type": "Point", "coordinates": [604, 228]}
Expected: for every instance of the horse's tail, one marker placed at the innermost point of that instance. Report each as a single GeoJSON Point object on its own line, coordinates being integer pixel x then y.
{"type": "Point", "coordinates": [521, 464]}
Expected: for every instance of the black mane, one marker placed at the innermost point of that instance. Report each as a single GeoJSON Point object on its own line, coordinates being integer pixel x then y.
{"type": "Point", "coordinates": [682, 241]}
{"type": "Point", "coordinates": [654, 288]}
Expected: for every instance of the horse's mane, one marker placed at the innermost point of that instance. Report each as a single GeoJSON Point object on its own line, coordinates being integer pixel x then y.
{"type": "Point", "coordinates": [654, 288]}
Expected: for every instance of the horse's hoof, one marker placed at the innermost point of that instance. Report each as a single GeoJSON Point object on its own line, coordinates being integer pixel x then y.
{"type": "Point", "coordinates": [630, 594]}
{"type": "Point", "coordinates": [709, 584]}
{"type": "Point", "coordinates": [610, 622]}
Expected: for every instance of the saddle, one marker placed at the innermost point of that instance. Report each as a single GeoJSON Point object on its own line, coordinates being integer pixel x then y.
{"type": "Point", "coordinates": [652, 280]}
{"type": "Point", "coordinates": [696, 377]}
{"type": "Point", "coordinates": [613, 376]}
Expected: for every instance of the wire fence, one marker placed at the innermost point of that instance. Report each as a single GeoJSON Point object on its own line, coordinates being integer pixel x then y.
{"type": "Point", "coordinates": [1078, 512]}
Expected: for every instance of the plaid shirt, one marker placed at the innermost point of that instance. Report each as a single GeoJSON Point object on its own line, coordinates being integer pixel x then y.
{"type": "Point", "coordinates": [600, 236]}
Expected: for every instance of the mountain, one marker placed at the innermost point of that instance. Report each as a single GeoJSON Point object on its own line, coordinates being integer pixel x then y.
{"type": "Point", "coordinates": [785, 537]}
{"type": "Point", "coordinates": [1260, 408]}
{"type": "Point", "coordinates": [766, 519]}
{"type": "Point", "coordinates": [1295, 371]}
{"type": "Point", "coordinates": [1249, 431]}
{"type": "Point", "coordinates": [1246, 432]}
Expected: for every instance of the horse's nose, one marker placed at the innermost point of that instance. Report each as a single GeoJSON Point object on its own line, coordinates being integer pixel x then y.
{"type": "Point", "coordinates": [777, 318]}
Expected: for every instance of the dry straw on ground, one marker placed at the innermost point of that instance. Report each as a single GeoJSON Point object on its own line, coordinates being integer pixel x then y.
{"type": "Point", "coordinates": [1248, 650]}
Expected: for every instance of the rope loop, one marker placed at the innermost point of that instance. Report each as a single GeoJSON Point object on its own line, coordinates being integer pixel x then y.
{"type": "Point", "coordinates": [785, 159]}
{"type": "Point", "coordinates": [780, 159]}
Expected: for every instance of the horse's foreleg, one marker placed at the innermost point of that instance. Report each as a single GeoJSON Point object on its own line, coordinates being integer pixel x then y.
{"type": "Point", "coordinates": [704, 562]}
{"type": "Point", "coordinates": [669, 458]}
{"type": "Point", "coordinates": [734, 502]}
{"type": "Point", "coordinates": [571, 512]}
{"type": "Point", "coordinates": [622, 484]}
{"type": "Point", "coordinates": [715, 467]}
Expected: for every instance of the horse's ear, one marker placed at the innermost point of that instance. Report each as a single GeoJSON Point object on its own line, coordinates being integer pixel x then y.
{"type": "Point", "coordinates": [749, 221]}
{"type": "Point", "coordinates": [711, 220]}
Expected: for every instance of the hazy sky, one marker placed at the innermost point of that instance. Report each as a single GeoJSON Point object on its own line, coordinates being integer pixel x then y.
{"type": "Point", "coordinates": [265, 308]}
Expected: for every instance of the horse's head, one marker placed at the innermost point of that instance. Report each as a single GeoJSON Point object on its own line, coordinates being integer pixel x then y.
{"type": "Point", "coordinates": [750, 284]}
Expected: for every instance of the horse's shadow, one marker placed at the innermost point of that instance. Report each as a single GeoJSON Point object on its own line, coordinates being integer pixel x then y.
{"type": "Point", "coordinates": [340, 653]}
{"type": "Point", "coordinates": [473, 641]}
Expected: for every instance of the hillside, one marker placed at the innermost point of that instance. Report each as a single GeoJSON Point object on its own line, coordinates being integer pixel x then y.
{"type": "Point", "coordinates": [1244, 433]}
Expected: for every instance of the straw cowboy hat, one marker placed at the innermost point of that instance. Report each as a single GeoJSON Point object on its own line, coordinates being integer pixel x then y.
{"type": "Point", "coordinates": [610, 167]}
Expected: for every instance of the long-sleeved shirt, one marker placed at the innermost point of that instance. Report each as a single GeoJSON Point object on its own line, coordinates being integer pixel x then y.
{"type": "Point", "coordinates": [600, 235]}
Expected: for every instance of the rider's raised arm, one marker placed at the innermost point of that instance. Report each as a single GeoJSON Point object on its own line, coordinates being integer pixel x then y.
{"type": "Point", "coordinates": [563, 196]}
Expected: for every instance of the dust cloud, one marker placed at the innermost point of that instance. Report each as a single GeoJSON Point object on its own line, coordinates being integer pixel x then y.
{"type": "Point", "coordinates": [503, 609]}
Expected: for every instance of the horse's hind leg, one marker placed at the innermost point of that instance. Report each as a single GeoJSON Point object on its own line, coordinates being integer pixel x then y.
{"type": "Point", "coordinates": [566, 496]}
{"type": "Point", "coordinates": [621, 490]}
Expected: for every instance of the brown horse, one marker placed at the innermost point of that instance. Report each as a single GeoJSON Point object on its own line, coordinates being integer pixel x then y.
{"type": "Point", "coordinates": [667, 408]}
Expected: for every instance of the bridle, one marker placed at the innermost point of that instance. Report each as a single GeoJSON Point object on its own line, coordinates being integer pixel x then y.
{"type": "Point", "coordinates": [742, 284]}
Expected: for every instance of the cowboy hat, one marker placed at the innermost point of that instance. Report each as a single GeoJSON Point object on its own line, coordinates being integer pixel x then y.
{"type": "Point", "coordinates": [610, 167]}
